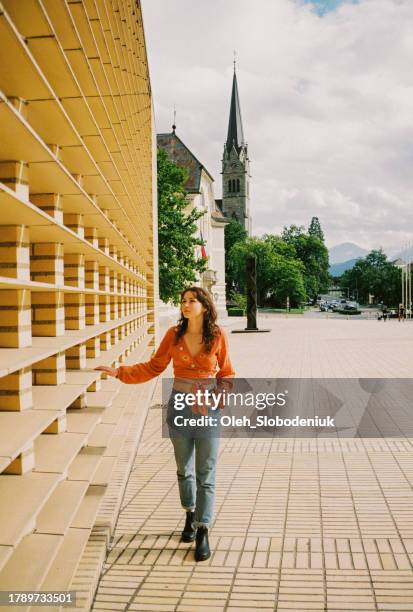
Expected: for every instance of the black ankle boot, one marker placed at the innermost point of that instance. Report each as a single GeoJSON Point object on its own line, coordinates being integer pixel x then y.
{"type": "Point", "coordinates": [188, 534]}
{"type": "Point", "coordinates": [202, 552]}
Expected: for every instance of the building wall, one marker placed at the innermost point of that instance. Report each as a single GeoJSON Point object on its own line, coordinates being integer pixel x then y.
{"type": "Point", "coordinates": [218, 264]}
{"type": "Point", "coordinates": [213, 235]}
{"type": "Point", "coordinates": [78, 262]}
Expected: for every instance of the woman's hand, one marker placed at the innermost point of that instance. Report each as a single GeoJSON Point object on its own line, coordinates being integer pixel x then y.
{"type": "Point", "coordinates": [107, 370]}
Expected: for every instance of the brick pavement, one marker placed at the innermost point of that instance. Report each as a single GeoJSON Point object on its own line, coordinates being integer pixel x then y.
{"type": "Point", "coordinates": [300, 524]}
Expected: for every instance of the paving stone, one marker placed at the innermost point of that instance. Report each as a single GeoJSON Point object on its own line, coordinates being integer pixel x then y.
{"type": "Point", "coordinates": [299, 523]}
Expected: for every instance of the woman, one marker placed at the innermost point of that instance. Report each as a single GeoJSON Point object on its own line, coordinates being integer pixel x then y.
{"type": "Point", "coordinates": [198, 348]}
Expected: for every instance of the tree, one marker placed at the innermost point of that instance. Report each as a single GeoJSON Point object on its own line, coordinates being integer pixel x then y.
{"type": "Point", "coordinates": [234, 232]}
{"type": "Point", "coordinates": [312, 252]}
{"type": "Point", "coordinates": [287, 281]}
{"type": "Point", "coordinates": [178, 263]}
{"type": "Point", "coordinates": [238, 256]}
{"type": "Point", "coordinates": [314, 229]}
{"type": "Point", "coordinates": [278, 275]}
{"type": "Point", "coordinates": [374, 275]}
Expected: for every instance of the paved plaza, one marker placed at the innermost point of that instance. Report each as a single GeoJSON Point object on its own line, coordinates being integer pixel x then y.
{"type": "Point", "coordinates": [301, 524]}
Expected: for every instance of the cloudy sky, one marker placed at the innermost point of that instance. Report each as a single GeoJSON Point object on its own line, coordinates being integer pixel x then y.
{"type": "Point", "coordinates": [326, 91]}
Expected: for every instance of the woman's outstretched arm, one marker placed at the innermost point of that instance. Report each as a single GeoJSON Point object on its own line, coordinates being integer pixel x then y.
{"type": "Point", "coordinates": [142, 372]}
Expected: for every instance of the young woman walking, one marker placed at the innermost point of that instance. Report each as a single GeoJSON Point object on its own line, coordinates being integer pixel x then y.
{"type": "Point", "coordinates": [198, 348]}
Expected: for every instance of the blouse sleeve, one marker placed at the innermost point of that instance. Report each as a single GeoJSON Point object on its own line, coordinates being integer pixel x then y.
{"type": "Point", "coordinates": [225, 366]}
{"type": "Point", "coordinates": [142, 372]}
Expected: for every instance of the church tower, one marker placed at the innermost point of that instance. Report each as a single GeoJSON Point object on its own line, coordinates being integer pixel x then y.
{"type": "Point", "coordinates": [235, 166]}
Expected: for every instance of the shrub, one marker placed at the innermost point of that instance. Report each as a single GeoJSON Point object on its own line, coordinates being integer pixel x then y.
{"type": "Point", "coordinates": [239, 300]}
{"type": "Point", "coordinates": [236, 312]}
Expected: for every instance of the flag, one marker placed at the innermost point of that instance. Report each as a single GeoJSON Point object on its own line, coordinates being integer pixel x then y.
{"type": "Point", "coordinates": [203, 251]}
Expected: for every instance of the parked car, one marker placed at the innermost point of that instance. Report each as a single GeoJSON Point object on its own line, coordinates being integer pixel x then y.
{"type": "Point", "coordinates": [350, 306]}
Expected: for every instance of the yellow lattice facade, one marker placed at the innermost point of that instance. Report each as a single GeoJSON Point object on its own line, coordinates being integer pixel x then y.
{"type": "Point", "coordinates": [78, 267]}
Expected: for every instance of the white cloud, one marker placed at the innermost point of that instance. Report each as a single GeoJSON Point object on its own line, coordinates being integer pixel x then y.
{"type": "Point", "coordinates": [326, 102]}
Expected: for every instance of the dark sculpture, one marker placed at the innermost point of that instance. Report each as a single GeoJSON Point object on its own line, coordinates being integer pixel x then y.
{"type": "Point", "coordinates": [251, 277]}
{"type": "Point", "coordinates": [251, 269]}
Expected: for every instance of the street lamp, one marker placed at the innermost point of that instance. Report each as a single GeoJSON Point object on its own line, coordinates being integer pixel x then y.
{"type": "Point", "coordinates": [406, 269]}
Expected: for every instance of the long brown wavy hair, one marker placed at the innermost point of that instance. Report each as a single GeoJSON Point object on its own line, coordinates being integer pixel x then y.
{"type": "Point", "coordinates": [210, 329]}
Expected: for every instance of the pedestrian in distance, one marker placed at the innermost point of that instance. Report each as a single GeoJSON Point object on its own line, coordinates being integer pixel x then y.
{"type": "Point", "coordinates": [198, 348]}
{"type": "Point", "coordinates": [401, 313]}
{"type": "Point", "coordinates": [385, 312]}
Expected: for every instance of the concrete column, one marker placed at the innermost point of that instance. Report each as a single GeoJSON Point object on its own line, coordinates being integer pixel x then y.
{"type": "Point", "coordinates": [15, 322]}
{"type": "Point", "coordinates": [15, 175]}
{"type": "Point", "coordinates": [92, 309]}
{"type": "Point", "coordinates": [46, 262]}
{"type": "Point", "coordinates": [14, 251]}
{"type": "Point", "coordinates": [16, 391]}
{"type": "Point", "coordinates": [48, 315]}
{"type": "Point", "coordinates": [50, 203]}
{"type": "Point", "coordinates": [75, 311]}
{"type": "Point", "coordinates": [76, 357]}
{"type": "Point", "coordinates": [75, 223]}
{"type": "Point", "coordinates": [91, 235]}
{"type": "Point", "coordinates": [50, 371]}
{"type": "Point", "coordinates": [74, 270]}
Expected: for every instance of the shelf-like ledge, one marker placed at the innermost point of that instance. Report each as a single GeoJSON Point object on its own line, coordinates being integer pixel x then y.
{"type": "Point", "coordinates": [12, 359]}
{"type": "Point", "coordinates": [55, 454]}
{"type": "Point", "coordinates": [85, 464]}
{"type": "Point", "coordinates": [30, 562]}
{"type": "Point", "coordinates": [19, 429]}
{"type": "Point", "coordinates": [66, 561]}
{"type": "Point", "coordinates": [61, 508]}
{"type": "Point", "coordinates": [22, 497]}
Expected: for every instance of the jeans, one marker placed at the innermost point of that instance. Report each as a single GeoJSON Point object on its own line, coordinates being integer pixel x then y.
{"type": "Point", "coordinates": [196, 486]}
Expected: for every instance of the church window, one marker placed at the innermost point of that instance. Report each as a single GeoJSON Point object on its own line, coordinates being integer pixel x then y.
{"type": "Point", "coordinates": [238, 187]}
{"type": "Point", "coordinates": [229, 186]}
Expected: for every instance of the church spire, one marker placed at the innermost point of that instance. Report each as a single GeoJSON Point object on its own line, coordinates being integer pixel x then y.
{"type": "Point", "coordinates": [235, 132]}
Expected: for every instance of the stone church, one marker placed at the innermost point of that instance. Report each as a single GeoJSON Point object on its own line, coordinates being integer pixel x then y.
{"type": "Point", "coordinates": [235, 203]}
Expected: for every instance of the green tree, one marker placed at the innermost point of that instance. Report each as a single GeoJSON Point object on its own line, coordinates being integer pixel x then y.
{"type": "Point", "coordinates": [313, 253]}
{"type": "Point", "coordinates": [238, 255]}
{"type": "Point", "coordinates": [280, 246]}
{"type": "Point", "coordinates": [178, 264]}
{"type": "Point", "coordinates": [374, 275]}
{"type": "Point", "coordinates": [287, 281]}
{"type": "Point", "coordinates": [278, 275]}
{"type": "Point", "coordinates": [234, 232]}
{"type": "Point", "coordinates": [314, 229]}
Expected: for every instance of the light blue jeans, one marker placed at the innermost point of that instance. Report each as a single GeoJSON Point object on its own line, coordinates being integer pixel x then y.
{"type": "Point", "coordinates": [196, 459]}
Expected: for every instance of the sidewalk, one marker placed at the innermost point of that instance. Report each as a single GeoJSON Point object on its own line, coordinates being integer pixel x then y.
{"type": "Point", "coordinates": [300, 524]}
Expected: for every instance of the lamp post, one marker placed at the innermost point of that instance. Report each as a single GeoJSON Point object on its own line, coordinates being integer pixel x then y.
{"type": "Point", "coordinates": [406, 269]}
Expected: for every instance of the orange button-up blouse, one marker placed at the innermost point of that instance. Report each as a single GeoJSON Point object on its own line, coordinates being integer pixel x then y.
{"type": "Point", "coordinates": [216, 363]}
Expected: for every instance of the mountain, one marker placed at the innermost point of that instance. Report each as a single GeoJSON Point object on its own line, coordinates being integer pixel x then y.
{"type": "Point", "coordinates": [343, 253]}
{"type": "Point", "coordinates": [405, 255]}
{"type": "Point", "coordinates": [338, 268]}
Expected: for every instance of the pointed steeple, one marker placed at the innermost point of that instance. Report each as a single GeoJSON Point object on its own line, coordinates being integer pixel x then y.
{"type": "Point", "coordinates": [235, 132]}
